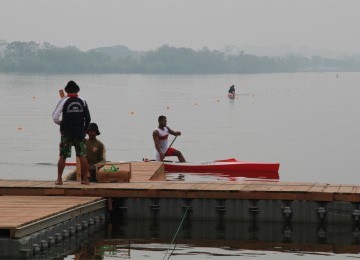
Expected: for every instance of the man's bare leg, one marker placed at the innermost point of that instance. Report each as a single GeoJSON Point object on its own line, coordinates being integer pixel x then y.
{"type": "Point", "coordinates": [84, 170]}
{"type": "Point", "coordinates": [180, 157]}
{"type": "Point", "coordinates": [61, 166]}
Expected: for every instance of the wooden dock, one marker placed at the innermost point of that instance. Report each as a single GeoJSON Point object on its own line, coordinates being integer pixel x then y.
{"type": "Point", "coordinates": [255, 190]}
{"type": "Point", "coordinates": [41, 211]}
{"type": "Point", "coordinates": [139, 171]}
{"type": "Point", "coordinates": [22, 215]}
{"type": "Point", "coordinates": [25, 213]}
{"type": "Point", "coordinates": [147, 171]}
{"type": "Point", "coordinates": [148, 182]}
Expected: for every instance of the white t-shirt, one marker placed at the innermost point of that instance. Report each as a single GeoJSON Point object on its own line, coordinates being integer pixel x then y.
{"type": "Point", "coordinates": [163, 142]}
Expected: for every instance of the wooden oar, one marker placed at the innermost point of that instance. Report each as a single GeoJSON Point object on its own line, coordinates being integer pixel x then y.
{"type": "Point", "coordinates": [61, 93]}
{"type": "Point", "coordinates": [169, 147]}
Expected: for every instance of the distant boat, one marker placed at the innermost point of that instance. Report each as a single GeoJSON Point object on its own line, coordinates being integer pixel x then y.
{"type": "Point", "coordinates": [231, 92]}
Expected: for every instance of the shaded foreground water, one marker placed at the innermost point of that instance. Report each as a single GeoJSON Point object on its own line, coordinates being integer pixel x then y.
{"type": "Point", "coordinates": [140, 239]}
{"type": "Point", "coordinates": [148, 239]}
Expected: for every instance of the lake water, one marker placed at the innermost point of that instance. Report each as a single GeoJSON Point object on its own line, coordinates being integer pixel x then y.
{"type": "Point", "coordinates": [309, 122]}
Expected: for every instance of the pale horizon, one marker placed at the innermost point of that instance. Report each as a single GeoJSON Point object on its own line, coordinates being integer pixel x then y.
{"type": "Point", "coordinates": [330, 25]}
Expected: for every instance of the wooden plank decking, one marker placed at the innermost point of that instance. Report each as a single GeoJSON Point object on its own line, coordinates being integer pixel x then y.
{"type": "Point", "coordinates": [140, 171]}
{"type": "Point", "coordinates": [176, 189]}
{"type": "Point", "coordinates": [149, 180]}
{"type": "Point", "coordinates": [21, 215]}
{"type": "Point", "coordinates": [147, 171]}
{"type": "Point", "coordinates": [28, 205]}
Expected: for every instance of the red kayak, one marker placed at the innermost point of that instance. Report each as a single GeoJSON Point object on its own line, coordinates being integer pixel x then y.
{"type": "Point", "coordinates": [228, 167]}
{"type": "Point", "coordinates": [231, 167]}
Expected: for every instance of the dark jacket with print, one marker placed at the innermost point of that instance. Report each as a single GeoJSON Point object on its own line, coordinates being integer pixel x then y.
{"type": "Point", "coordinates": [73, 116]}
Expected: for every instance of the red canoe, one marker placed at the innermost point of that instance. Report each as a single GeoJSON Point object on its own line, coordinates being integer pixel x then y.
{"type": "Point", "coordinates": [231, 167]}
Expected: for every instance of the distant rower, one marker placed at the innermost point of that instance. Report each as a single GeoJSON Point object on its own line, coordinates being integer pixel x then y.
{"type": "Point", "coordinates": [231, 92]}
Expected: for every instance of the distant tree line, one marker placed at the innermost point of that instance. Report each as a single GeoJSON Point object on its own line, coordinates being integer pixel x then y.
{"type": "Point", "coordinates": [32, 57]}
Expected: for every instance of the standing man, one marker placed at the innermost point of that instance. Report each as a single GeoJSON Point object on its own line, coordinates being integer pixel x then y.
{"type": "Point", "coordinates": [73, 116]}
{"type": "Point", "coordinates": [160, 136]}
{"type": "Point", "coordinates": [95, 150]}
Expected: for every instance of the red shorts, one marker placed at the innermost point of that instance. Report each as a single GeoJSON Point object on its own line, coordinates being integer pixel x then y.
{"type": "Point", "coordinates": [171, 152]}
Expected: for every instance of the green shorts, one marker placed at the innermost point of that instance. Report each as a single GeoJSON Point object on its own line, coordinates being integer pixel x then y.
{"type": "Point", "coordinates": [67, 142]}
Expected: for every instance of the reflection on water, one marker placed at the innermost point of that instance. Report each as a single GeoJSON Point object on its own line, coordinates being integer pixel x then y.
{"type": "Point", "coordinates": [147, 239]}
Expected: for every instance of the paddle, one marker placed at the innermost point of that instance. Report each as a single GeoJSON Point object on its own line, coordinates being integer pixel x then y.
{"type": "Point", "coordinates": [61, 93]}
{"type": "Point", "coordinates": [169, 147]}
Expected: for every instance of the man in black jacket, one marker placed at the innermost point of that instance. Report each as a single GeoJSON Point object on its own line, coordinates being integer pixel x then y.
{"type": "Point", "coordinates": [73, 116]}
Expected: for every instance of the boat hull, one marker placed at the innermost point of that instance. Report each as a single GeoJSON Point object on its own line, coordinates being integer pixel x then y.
{"type": "Point", "coordinates": [231, 95]}
{"type": "Point", "coordinates": [229, 167]}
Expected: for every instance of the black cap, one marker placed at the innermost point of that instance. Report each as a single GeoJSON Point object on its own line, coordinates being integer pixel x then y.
{"type": "Point", "coordinates": [93, 126]}
{"type": "Point", "coordinates": [72, 87]}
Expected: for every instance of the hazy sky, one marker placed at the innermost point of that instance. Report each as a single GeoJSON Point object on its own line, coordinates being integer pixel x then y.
{"type": "Point", "coordinates": [148, 24]}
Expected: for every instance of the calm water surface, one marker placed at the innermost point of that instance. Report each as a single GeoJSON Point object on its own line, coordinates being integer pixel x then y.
{"type": "Point", "coordinates": [309, 122]}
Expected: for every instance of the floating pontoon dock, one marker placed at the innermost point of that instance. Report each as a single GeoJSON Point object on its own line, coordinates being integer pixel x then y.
{"type": "Point", "coordinates": [149, 196]}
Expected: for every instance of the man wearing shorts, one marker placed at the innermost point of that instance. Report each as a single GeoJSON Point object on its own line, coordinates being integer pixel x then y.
{"type": "Point", "coordinates": [160, 136]}
{"type": "Point", "coordinates": [73, 116]}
